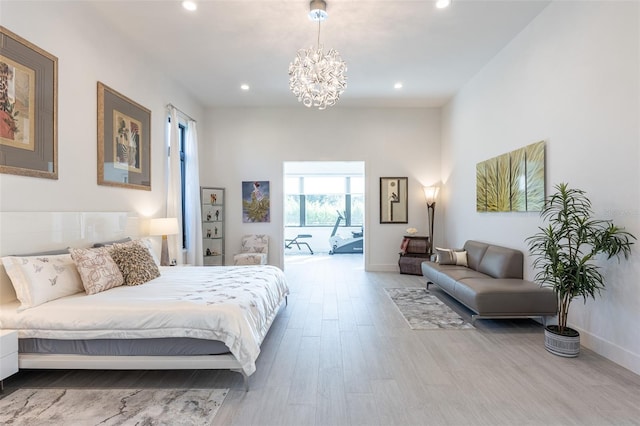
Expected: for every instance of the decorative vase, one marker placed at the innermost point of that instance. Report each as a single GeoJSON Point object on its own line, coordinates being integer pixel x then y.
{"type": "Point", "coordinates": [566, 345]}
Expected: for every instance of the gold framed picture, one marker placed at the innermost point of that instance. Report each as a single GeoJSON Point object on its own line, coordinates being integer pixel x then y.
{"type": "Point", "coordinates": [28, 108]}
{"type": "Point", "coordinates": [124, 141]}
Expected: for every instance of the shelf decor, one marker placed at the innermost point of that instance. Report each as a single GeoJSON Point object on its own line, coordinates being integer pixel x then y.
{"type": "Point", "coordinates": [28, 108]}
{"type": "Point", "coordinates": [212, 202]}
{"type": "Point", "coordinates": [124, 141]}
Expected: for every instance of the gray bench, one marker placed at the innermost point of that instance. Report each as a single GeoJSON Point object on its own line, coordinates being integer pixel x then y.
{"type": "Point", "coordinates": [492, 285]}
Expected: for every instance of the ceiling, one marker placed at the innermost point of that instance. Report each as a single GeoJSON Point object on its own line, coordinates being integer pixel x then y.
{"type": "Point", "coordinates": [226, 43]}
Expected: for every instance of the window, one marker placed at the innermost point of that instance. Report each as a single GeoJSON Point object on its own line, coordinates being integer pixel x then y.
{"type": "Point", "coordinates": [182, 132]}
{"type": "Point", "coordinates": [315, 200]}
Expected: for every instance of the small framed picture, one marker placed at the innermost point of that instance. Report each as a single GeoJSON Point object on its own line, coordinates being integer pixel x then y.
{"type": "Point", "coordinates": [393, 200]}
{"type": "Point", "coordinates": [28, 108]}
{"type": "Point", "coordinates": [255, 201]}
{"type": "Point", "coordinates": [124, 141]}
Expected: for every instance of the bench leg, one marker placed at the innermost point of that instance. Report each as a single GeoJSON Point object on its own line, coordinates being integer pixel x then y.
{"type": "Point", "coordinates": [308, 246]}
{"type": "Point", "coordinates": [289, 243]}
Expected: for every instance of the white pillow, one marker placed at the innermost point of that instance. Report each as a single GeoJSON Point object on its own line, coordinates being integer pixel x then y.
{"type": "Point", "coordinates": [147, 243]}
{"type": "Point", "coordinates": [39, 279]}
{"type": "Point", "coordinates": [451, 257]}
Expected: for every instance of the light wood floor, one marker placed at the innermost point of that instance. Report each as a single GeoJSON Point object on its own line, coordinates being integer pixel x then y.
{"type": "Point", "coordinates": [341, 354]}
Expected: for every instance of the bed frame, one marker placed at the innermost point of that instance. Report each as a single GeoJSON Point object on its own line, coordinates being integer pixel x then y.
{"type": "Point", "coordinates": [92, 362]}
{"type": "Point", "coordinates": [29, 232]}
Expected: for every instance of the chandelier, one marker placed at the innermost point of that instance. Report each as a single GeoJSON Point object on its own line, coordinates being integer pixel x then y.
{"type": "Point", "coordinates": [317, 77]}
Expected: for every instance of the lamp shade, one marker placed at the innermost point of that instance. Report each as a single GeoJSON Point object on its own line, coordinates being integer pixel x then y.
{"type": "Point", "coordinates": [164, 226]}
{"type": "Point", "coordinates": [430, 193]}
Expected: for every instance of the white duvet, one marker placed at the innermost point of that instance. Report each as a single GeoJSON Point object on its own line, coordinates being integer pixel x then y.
{"type": "Point", "coordinates": [235, 305]}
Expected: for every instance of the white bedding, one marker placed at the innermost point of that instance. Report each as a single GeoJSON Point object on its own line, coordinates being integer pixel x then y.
{"type": "Point", "coordinates": [235, 305]}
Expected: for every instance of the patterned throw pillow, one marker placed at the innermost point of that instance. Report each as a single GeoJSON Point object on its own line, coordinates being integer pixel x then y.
{"type": "Point", "coordinates": [98, 270]}
{"type": "Point", "coordinates": [451, 257]}
{"type": "Point", "coordinates": [39, 279]}
{"type": "Point", "coordinates": [135, 262]}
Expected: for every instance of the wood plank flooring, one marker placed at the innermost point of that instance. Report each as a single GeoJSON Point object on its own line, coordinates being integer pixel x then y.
{"type": "Point", "coordinates": [341, 354]}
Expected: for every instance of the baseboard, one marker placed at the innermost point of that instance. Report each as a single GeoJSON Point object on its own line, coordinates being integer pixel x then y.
{"type": "Point", "coordinates": [383, 268]}
{"type": "Point", "coordinates": [609, 350]}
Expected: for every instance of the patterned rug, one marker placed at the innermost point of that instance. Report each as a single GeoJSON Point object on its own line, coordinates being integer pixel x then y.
{"type": "Point", "coordinates": [111, 406]}
{"type": "Point", "coordinates": [424, 311]}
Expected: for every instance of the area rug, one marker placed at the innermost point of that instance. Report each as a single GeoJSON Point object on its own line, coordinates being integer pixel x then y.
{"type": "Point", "coordinates": [424, 311]}
{"type": "Point", "coordinates": [111, 406]}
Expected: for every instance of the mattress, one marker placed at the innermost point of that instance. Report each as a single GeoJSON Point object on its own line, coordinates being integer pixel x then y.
{"type": "Point", "coordinates": [233, 304]}
{"type": "Point", "coordinates": [170, 346]}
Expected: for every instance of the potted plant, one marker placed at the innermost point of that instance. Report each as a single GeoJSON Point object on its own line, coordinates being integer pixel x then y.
{"type": "Point", "coordinates": [564, 254]}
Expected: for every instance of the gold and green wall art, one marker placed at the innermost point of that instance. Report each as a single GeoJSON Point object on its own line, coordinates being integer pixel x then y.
{"type": "Point", "coordinates": [512, 182]}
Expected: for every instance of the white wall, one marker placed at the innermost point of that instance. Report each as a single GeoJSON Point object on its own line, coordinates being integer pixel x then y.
{"type": "Point", "coordinates": [88, 51]}
{"type": "Point", "coordinates": [570, 78]}
{"type": "Point", "coordinates": [253, 143]}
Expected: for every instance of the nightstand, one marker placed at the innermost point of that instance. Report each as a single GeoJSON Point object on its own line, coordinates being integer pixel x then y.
{"type": "Point", "coordinates": [8, 354]}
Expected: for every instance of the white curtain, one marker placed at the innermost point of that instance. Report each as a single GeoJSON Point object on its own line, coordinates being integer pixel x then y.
{"type": "Point", "coordinates": [193, 216]}
{"type": "Point", "coordinates": [174, 192]}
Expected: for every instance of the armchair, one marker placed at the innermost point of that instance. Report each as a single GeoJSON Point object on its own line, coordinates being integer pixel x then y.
{"type": "Point", "coordinates": [254, 249]}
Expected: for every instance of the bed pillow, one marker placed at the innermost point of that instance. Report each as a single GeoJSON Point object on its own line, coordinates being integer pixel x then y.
{"type": "Point", "coordinates": [39, 279]}
{"type": "Point", "coordinates": [451, 257]}
{"type": "Point", "coordinates": [97, 269]}
{"type": "Point", "coordinates": [135, 262]}
{"type": "Point", "coordinates": [110, 243]}
{"type": "Point", "coordinates": [44, 253]}
{"type": "Point", "coordinates": [147, 243]}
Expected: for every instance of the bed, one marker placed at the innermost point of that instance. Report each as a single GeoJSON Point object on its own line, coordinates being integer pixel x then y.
{"type": "Point", "coordinates": [187, 318]}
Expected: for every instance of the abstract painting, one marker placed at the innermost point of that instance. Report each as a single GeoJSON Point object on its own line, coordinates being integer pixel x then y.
{"type": "Point", "coordinates": [512, 182]}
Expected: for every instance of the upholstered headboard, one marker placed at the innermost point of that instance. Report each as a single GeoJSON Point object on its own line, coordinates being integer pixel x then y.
{"type": "Point", "coordinates": [23, 233]}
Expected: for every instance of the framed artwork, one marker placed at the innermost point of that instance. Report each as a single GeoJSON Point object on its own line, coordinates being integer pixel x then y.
{"type": "Point", "coordinates": [255, 201]}
{"type": "Point", "coordinates": [124, 141]}
{"type": "Point", "coordinates": [393, 200]}
{"type": "Point", "coordinates": [28, 108]}
{"type": "Point", "coordinates": [513, 181]}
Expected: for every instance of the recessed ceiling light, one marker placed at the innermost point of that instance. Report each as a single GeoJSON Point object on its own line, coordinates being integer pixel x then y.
{"type": "Point", "coordinates": [441, 4]}
{"type": "Point", "coordinates": [189, 5]}
{"type": "Point", "coordinates": [398, 85]}
{"type": "Point", "coordinates": [244, 87]}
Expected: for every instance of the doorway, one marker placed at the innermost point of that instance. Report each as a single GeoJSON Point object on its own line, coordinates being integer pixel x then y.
{"type": "Point", "coordinates": [324, 206]}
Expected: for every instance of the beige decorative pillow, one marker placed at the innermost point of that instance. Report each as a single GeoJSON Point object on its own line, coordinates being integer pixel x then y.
{"type": "Point", "coordinates": [39, 279]}
{"type": "Point", "coordinates": [97, 269]}
{"type": "Point", "coordinates": [451, 257]}
{"type": "Point", "coordinates": [135, 262]}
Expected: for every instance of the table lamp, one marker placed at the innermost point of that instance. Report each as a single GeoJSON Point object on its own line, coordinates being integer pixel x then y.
{"type": "Point", "coordinates": [164, 226]}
